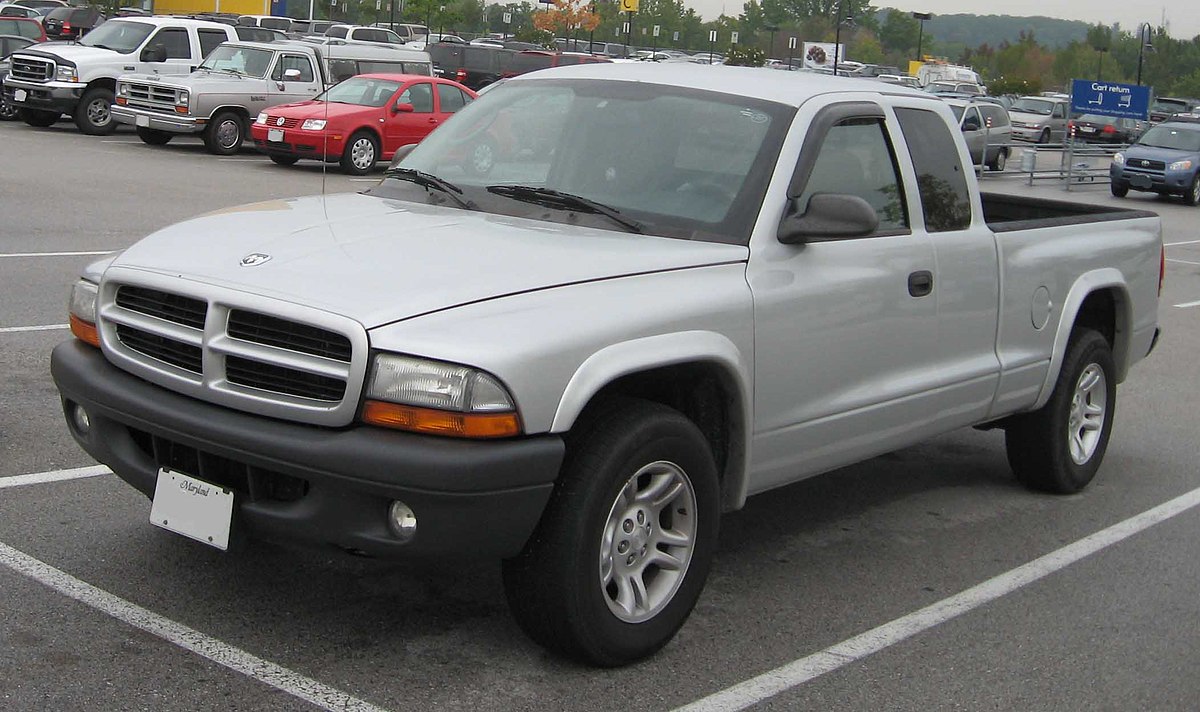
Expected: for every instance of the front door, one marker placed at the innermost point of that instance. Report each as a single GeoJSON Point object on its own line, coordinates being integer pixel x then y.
{"type": "Point", "coordinates": [284, 88]}
{"type": "Point", "coordinates": [404, 127]}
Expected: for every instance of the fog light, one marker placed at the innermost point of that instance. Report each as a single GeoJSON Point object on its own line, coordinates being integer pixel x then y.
{"type": "Point", "coordinates": [402, 520]}
{"type": "Point", "coordinates": [83, 424]}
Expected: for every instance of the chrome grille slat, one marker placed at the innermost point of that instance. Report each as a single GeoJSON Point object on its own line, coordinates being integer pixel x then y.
{"type": "Point", "coordinates": [30, 69]}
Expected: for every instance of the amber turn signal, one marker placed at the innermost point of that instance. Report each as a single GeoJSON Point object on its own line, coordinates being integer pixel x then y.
{"type": "Point", "coordinates": [441, 422]}
{"type": "Point", "coordinates": [84, 331]}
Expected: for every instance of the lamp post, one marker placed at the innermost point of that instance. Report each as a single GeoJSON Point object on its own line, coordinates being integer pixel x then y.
{"type": "Point", "coordinates": [922, 17]}
{"type": "Point", "coordinates": [1144, 37]}
{"type": "Point", "coordinates": [771, 45]}
{"type": "Point", "coordinates": [1100, 60]}
{"type": "Point", "coordinates": [837, 36]}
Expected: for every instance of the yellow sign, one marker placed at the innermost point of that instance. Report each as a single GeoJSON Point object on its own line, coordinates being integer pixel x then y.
{"type": "Point", "coordinates": [629, 5]}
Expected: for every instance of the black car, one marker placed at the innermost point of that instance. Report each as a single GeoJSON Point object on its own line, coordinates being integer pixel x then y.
{"type": "Point", "coordinates": [474, 66]}
{"type": "Point", "coordinates": [1093, 128]}
{"type": "Point", "coordinates": [71, 23]}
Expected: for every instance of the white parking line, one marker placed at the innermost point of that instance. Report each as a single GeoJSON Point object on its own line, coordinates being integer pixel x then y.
{"type": "Point", "coordinates": [1187, 305]}
{"type": "Point", "coordinates": [1184, 262]}
{"type": "Point", "coordinates": [205, 646]}
{"type": "Point", "coordinates": [1186, 242]}
{"type": "Point", "coordinates": [796, 673]}
{"type": "Point", "coordinates": [39, 478]}
{"type": "Point", "coordinates": [20, 329]}
{"type": "Point", "coordinates": [56, 254]}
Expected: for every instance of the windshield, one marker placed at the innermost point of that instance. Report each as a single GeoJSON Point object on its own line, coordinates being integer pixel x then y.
{"type": "Point", "coordinates": [362, 91]}
{"type": "Point", "coordinates": [1032, 106]}
{"type": "Point", "coordinates": [122, 36]}
{"type": "Point", "coordinates": [1169, 106]}
{"type": "Point", "coordinates": [681, 162]}
{"type": "Point", "coordinates": [1172, 137]}
{"type": "Point", "coordinates": [241, 60]}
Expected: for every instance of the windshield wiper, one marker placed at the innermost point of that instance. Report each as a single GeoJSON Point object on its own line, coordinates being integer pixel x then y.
{"type": "Point", "coordinates": [429, 180]}
{"type": "Point", "coordinates": [551, 198]}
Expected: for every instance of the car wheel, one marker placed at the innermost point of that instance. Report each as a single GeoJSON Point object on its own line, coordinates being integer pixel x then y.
{"type": "Point", "coordinates": [92, 114]}
{"type": "Point", "coordinates": [1058, 448]}
{"type": "Point", "coordinates": [154, 137]}
{"type": "Point", "coordinates": [622, 551]}
{"type": "Point", "coordinates": [283, 160]}
{"type": "Point", "coordinates": [1000, 160]}
{"type": "Point", "coordinates": [362, 150]}
{"type": "Point", "coordinates": [38, 118]}
{"type": "Point", "coordinates": [1192, 196]}
{"type": "Point", "coordinates": [225, 134]}
{"type": "Point", "coordinates": [1044, 137]}
{"type": "Point", "coordinates": [1119, 190]}
{"type": "Point", "coordinates": [8, 112]}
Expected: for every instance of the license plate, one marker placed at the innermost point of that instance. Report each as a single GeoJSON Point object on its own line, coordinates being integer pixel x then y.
{"type": "Point", "coordinates": [193, 508]}
{"type": "Point", "coordinates": [143, 121]}
{"type": "Point", "coordinates": [1141, 182]}
{"type": "Point", "coordinates": [1087, 129]}
{"type": "Point", "coordinates": [20, 95]}
{"type": "Point", "coordinates": [275, 135]}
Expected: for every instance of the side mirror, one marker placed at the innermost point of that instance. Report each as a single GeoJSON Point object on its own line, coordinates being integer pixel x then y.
{"type": "Point", "coordinates": [400, 154]}
{"type": "Point", "coordinates": [156, 52]}
{"type": "Point", "coordinates": [403, 107]}
{"type": "Point", "coordinates": [828, 216]}
{"type": "Point", "coordinates": [291, 75]}
{"type": "Point", "coordinates": [971, 125]}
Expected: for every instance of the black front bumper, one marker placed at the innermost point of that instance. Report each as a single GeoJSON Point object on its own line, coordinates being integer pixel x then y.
{"type": "Point", "coordinates": [54, 99]}
{"type": "Point", "coordinates": [305, 484]}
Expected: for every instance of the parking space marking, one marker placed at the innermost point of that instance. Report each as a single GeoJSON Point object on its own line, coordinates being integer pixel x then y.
{"type": "Point", "coordinates": [39, 478]}
{"type": "Point", "coordinates": [20, 329]}
{"type": "Point", "coordinates": [1186, 242]}
{"type": "Point", "coordinates": [798, 672]}
{"type": "Point", "coordinates": [1187, 305]}
{"type": "Point", "coordinates": [1184, 262]}
{"type": "Point", "coordinates": [206, 646]}
{"type": "Point", "coordinates": [56, 254]}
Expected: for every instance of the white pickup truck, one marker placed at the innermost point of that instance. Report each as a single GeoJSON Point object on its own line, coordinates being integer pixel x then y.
{"type": "Point", "coordinates": [667, 288]}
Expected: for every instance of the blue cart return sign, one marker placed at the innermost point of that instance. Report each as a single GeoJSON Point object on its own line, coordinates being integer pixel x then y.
{"type": "Point", "coordinates": [1128, 101]}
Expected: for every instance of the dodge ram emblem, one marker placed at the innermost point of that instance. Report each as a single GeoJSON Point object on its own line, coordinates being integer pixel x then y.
{"type": "Point", "coordinates": [254, 259]}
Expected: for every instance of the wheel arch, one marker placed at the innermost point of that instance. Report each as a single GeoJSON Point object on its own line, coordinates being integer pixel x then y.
{"type": "Point", "coordinates": [109, 83]}
{"type": "Point", "coordinates": [701, 374]}
{"type": "Point", "coordinates": [239, 110]}
{"type": "Point", "coordinates": [1098, 300]}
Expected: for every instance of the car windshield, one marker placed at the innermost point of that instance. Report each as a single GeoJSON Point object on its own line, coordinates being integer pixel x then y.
{"type": "Point", "coordinates": [122, 36]}
{"type": "Point", "coordinates": [1172, 137]}
{"type": "Point", "coordinates": [1169, 106]}
{"type": "Point", "coordinates": [362, 91]}
{"type": "Point", "coordinates": [1032, 106]}
{"type": "Point", "coordinates": [681, 162]}
{"type": "Point", "coordinates": [239, 60]}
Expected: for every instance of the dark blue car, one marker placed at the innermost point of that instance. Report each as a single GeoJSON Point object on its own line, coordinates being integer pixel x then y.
{"type": "Point", "coordinates": [1165, 160]}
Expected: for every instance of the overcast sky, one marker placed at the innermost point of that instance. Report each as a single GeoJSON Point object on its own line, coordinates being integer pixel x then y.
{"type": "Point", "coordinates": [1183, 16]}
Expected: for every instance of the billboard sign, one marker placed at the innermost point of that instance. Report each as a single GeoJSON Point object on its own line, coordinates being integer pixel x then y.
{"type": "Point", "coordinates": [1128, 101]}
{"type": "Point", "coordinates": [819, 55]}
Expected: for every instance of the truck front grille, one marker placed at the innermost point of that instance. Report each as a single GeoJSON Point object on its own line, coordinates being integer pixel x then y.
{"type": "Point", "coordinates": [300, 364]}
{"type": "Point", "coordinates": [151, 96]}
{"type": "Point", "coordinates": [30, 69]}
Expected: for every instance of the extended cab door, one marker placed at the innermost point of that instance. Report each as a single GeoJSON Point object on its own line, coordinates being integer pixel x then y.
{"type": "Point", "coordinates": [293, 78]}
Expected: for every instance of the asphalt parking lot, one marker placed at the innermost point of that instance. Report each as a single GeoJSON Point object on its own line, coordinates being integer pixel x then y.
{"type": "Point", "coordinates": [925, 579]}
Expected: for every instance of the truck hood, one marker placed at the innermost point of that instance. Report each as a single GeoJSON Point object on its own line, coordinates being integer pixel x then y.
{"type": "Point", "coordinates": [198, 80]}
{"type": "Point", "coordinates": [379, 260]}
{"type": "Point", "coordinates": [77, 54]}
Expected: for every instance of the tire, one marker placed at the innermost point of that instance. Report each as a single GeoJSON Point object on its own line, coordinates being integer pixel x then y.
{"type": "Point", "coordinates": [38, 118]}
{"type": "Point", "coordinates": [1044, 137]}
{"type": "Point", "coordinates": [8, 112]}
{"type": "Point", "coordinates": [1000, 160]}
{"type": "Point", "coordinates": [225, 134]}
{"type": "Point", "coordinates": [362, 150]}
{"type": "Point", "coordinates": [646, 584]}
{"type": "Point", "coordinates": [1119, 190]}
{"type": "Point", "coordinates": [1192, 196]}
{"type": "Point", "coordinates": [1059, 447]}
{"type": "Point", "coordinates": [93, 113]}
{"type": "Point", "coordinates": [283, 159]}
{"type": "Point", "coordinates": [154, 137]}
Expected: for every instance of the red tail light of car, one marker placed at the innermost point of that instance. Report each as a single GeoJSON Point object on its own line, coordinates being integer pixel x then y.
{"type": "Point", "coordinates": [460, 76]}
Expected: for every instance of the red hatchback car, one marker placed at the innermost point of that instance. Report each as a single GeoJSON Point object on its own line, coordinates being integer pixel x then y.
{"type": "Point", "coordinates": [359, 121]}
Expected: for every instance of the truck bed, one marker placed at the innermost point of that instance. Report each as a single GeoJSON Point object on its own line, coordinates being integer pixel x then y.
{"type": "Point", "coordinates": [1005, 213]}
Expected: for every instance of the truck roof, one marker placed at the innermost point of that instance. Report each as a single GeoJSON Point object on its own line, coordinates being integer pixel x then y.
{"type": "Point", "coordinates": [790, 88]}
{"type": "Point", "coordinates": [176, 20]}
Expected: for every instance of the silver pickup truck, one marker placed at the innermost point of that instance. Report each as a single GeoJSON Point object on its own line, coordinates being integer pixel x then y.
{"type": "Point", "coordinates": [237, 80]}
{"type": "Point", "coordinates": [667, 289]}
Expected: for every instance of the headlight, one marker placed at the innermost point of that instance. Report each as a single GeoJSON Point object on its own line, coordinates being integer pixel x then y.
{"type": "Point", "coordinates": [262, 118]}
{"type": "Point", "coordinates": [1119, 159]}
{"type": "Point", "coordinates": [122, 90]}
{"type": "Point", "coordinates": [82, 309]}
{"type": "Point", "coordinates": [438, 398]}
{"type": "Point", "coordinates": [313, 124]}
{"type": "Point", "coordinates": [183, 99]}
{"type": "Point", "coordinates": [1185, 165]}
{"type": "Point", "coordinates": [67, 74]}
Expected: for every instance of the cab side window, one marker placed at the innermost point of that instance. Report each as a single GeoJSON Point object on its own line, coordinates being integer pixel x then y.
{"type": "Point", "coordinates": [856, 158]}
{"type": "Point", "coordinates": [940, 177]}
{"type": "Point", "coordinates": [209, 39]}
{"type": "Point", "coordinates": [175, 40]}
{"type": "Point", "coordinates": [293, 61]}
{"type": "Point", "coordinates": [450, 99]}
{"type": "Point", "coordinates": [420, 96]}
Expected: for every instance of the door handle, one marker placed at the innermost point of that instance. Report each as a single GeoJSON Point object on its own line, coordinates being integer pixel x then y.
{"type": "Point", "coordinates": [920, 283]}
{"type": "Point", "coordinates": [433, 121]}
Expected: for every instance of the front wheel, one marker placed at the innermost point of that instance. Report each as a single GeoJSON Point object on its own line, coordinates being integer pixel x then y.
{"type": "Point", "coordinates": [625, 544]}
{"type": "Point", "coordinates": [225, 134]}
{"type": "Point", "coordinates": [8, 112]}
{"type": "Point", "coordinates": [1059, 447]}
{"type": "Point", "coordinates": [362, 150]}
{"type": "Point", "coordinates": [154, 137]}
{"type": "Point", "coordinates": [283, 159]}
{"type": "Point", "coordinates": [1192, 196]}
{"type": "Point", "coordinates": [92, 115]}
{"type": "Point", "coordinates": [1045, 137]}
{"type": "Point", "coordinates": [1119, 190]}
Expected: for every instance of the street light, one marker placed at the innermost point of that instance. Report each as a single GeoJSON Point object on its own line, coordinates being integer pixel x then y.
{"type": "Point", "coordinates": [1144, 37]}
{"type": "Point", "coordinates": [837, 35]}
{"type": "Point", "coordinates": [922, 16]}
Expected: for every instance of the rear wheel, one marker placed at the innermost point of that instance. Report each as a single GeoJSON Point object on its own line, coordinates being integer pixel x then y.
{"type": "Point", "coordinates": [92, 114]}
{"type": "Point", "coordinates": [153, 137]}
{"type": "Point", "coordinates": [283, 160]}
{"type": "Point", "coordinates": [1059, 447]}
{"type": "Point", "coordinates": [1000, 160]}
{"type": "Point", "coordinates": [1119, 189]}
{"type": "Point", "coordinates": [362, 150]}
{"type": "Point", "coordinates": [625, 544]}
{"type": "Point", "coordinates": [225, 134]}
{"type": "Point", "coordinates": [38, 118]}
